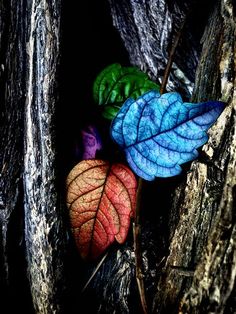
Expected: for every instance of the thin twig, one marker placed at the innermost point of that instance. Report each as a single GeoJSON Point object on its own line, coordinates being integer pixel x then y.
{"type": "Point", "coordinates": [136, 225]}
{"type": "Point", "coordinates": [171, 58]}
{"type": "Point", "coordinates": [138, 251]}
{"type": "Point", "coordinates": [94, 272]}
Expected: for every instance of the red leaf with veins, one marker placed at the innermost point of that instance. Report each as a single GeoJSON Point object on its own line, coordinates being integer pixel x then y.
{"type": "Point", "coordinates": [101, 198]}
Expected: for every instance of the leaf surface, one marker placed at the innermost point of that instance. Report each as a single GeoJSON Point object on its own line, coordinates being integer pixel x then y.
{"type": "Point", "coordinates": [159, 133]}
{"type": "Point", "coordinates": [101, 198]}
{"type": "Point", "coordinates": [91, 142]}
{"type": "Point", "coordinates": [116, 83]}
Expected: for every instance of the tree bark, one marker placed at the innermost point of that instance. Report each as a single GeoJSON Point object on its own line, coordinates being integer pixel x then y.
{"type": "Point", "coordinates": [204, 238]}
{"type": "Point", "coordinates": [148, 29]}
{"type": "Point", "coordinates": [12, 104]}
{"type": "Point", "coordinates": [30, 32]}
{"type": "Point", "coordinates": [43, 221]}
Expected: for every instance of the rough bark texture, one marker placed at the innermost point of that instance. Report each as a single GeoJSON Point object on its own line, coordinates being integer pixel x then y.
{"type": "Point", "coordinates": [212, 288]}
{"type": "Point", "coordinates": [29, 60]}
{"type": "Point", "coordinates": [43, 230]}
{"type": "Point", "coordinates": [204, 238]}
{"type": "Point", "coordinates": [12, 98]}
{"type": "Point", "coordinates": [148, 29]}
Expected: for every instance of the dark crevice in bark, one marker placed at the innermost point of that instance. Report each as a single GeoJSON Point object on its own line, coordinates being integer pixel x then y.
{"type": "Point", "coordinates": [12, 100]}
{"type": "Point", "coordinates": [14, 282]}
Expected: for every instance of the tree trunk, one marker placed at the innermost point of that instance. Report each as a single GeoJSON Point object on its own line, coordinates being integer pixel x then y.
{"type": "Point", "coordinates": [30, 55]}
{"type": "Point", "coordinates": [43, 220]}
{"type": "Point", "coordinates": [12, 115]}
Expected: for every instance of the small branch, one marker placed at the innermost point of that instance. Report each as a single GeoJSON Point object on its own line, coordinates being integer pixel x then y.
{"type": "Point", "coordinates": [138, 251]}
{"type": "Point", "coordinates": [94, 272]}
{"type": "Point", "coordinates": [171, 58]}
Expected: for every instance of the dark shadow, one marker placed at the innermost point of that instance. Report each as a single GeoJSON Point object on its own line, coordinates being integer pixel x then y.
{"type": "Point", "coordinates": [89, 44]}
{"type": "Point", "coordinates": [95, 45]}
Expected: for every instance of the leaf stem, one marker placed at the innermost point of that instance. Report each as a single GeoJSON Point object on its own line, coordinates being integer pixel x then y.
{"type": "Point", "coordinates": [137, 225]}
{"type": "Point", "coordinates": [137, 249]}
{"type": "Point", "coordinates": [171, 57]}
{"type": "Point", "coordinates": [94, 272]}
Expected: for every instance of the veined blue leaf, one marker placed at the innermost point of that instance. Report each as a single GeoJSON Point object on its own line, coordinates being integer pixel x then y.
{"type": "Point", "coordinates": [159, 132]}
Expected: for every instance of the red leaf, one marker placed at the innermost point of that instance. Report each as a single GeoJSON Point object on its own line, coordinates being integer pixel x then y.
{"type": "Point", "coordinates": [101, 198]}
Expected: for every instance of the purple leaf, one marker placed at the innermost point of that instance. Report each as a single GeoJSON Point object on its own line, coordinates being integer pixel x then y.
{"type": "Point", "coordinates": [91, 142]}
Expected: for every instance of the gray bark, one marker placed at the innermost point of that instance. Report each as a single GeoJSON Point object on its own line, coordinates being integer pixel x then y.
{"type": "Point", "coordinates": [148, 29]}
{"type": "Point", "coordinates": [43, 226]}
{"type": "Point", "coordinates": [30, 33]}
{"type": "Point", "coordinates": [204, 237]}
{"type": "Point", "coordinates": [12, 107]}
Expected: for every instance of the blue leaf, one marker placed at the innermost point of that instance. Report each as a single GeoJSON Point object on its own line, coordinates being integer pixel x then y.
{"type": "Point", "coordinates": [159, 133]}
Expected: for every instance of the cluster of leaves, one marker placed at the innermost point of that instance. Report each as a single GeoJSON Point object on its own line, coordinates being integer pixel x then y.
{"type": "Point", "coordinates": [156, 132]}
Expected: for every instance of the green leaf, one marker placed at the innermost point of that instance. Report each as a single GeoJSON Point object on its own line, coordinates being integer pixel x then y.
{"type": "Point", "coordinates": [116, 83]}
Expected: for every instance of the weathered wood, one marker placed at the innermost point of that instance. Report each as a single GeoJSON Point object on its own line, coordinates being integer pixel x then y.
{"type": "Point", "coordinates": [30, 32]}
{"type": "Point", "coordinates": [212, 288]}
{"type": "Point", "coordinates": [12, 98]}
{"type": "Point", "coordinates": [204, 239]}
{"type": "Point", "coordinates": [148, 29]}
{"type": "Point", "coordinates": [43, 225]}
